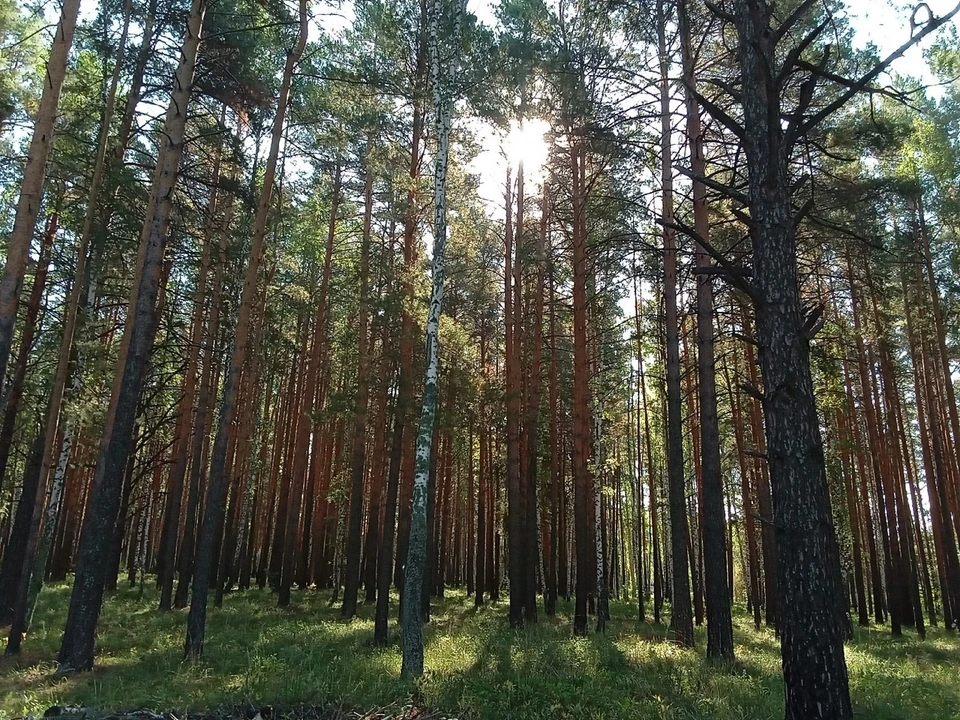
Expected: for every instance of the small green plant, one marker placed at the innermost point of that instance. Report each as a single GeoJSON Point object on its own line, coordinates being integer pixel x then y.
{"type": "Point", "coordinates": [477, 668]}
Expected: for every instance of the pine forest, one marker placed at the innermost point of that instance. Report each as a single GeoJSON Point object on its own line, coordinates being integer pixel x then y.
{"type": "Point", "coordinates": [500, 359]}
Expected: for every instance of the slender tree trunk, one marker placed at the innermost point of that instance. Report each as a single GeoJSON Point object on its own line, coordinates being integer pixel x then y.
{"type": "Point", "coordinates": [34, 173]}
{"type": "Point", "coordinates": [14, 394]}
{"type": "Point", "coordinates": [202, 418]}
{"type": "Point", "coordinates": [950, 399]}
{"type": "Point", "coordinates": [556, 450]}
{"type": "Point", "coordinates": [412, 665]}
{"type": "Point", "coordinates": [719, 618]}
{"type": "Point", "coordinates": [890, 555]}
{"type": "Point", "coordinates": [66, 355]}
{"type": "Point", "coordinates": [375, 508]}
{"type": "Point", "coordinates": [403, 427]}
{"type": "Point", "coordinates": [359, 446]}
{"type": "Point", "coordinates": [581, 392]}
{"type": "Point", "coordinates": [652, 492]}
{"type": "Point", "coordinates": [747, 506]}
{"type": "Point", "coordinates": [948, 565]}
{"type": "Point", "coordinates": [213, 509]}
{"type": "Point", "coordinates": [768, 547]}
{"type": "Point", "coordinates": [681, 620]}
{"type": "Point", "coordinates": [853, 509]}
{"type": "Point", "coordinates": [515, 518]}
{"type": "Point", "coordinates": [181, 444]}
{"type": "Point", "coordinates": [315, 362]}
{"type": "Point", "coordinates": [532, 549]}
{"type": "Point", "coordinates": [385, 553]}
{"type": "Point", "coordinates": [76, 651]}
{"type": "Point", "coordinates": [482, 429]}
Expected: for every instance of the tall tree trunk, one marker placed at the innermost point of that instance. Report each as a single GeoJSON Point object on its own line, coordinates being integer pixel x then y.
{"type": "Point", "coordinates": [181, 443]}
{"type": "Point", "coordinates": [652, 492]}
{"type": "Point", "coordinates": [532, 423]}
{"type": "Point", "coordinates": [853, 509]}
{"type": "Point", "coordinates": [76, 651]}
{"type": "Point", "coordinates": [748, 507]}
{"type": "Point", "coordinates": [375, 507]}
{"type": "Point", "coordinates": [412, 665]}
{"type": "Point", "coordinates": [359, 447]}
{"type": "Point", "coordinates": [213, 508]}
{"type": "Point", "coordinates": [814, 669]}
{"type": "Point", "coordinates": [556, 450]}
{"type": "Point", "coordinates": [14, 393]}
{"type": "Point", "coordinates": [582, 480]}
{"type": "Point", "coordinates": [515, 518]}
{"type": "Point", "coordinates": [480, 564]}
{"type": "Point", "coordinates": [315, 363]}
{"type": "Point", "coordinates": [681, 620]}
{"type": "Point", "coordinates": [402, 471]}
{"type": "Point", "coordinates": [638, 393]}
{"type": "Point", "coordinates": [948, 564]}
{"type": "Point", "coordinates": [890, 554]}
{"type": "Point", "coordinates": [950, 399]}
{"type": "Point", "coordinates": [209, 379]}
{"type": "Point", "coordinates": [14, 556]}
{"type": "Point", "coordinates": [34, 173]}
{"type": "Point", "coordinates": [719, 618]}
{"type": "Point", "coordinates": [768, 547]}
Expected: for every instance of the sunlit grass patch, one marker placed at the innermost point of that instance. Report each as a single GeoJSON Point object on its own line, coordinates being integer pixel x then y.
{"type": "Point", "coordinates": [477, 668]}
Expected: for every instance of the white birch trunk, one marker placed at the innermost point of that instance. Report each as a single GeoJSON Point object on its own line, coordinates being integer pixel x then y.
{"type": "Point", "coordinates": [50, 523]}
{"type": "Point", "coordinates": [412, 665]}
{"type": "Point", "coordinates": [602, 599]}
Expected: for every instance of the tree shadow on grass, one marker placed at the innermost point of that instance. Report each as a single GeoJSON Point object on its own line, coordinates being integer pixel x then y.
{"type": "Point", "coordinates": [252, 651]}
{"type": "Point", "coordinates": [545, 672]}
{"type": "Point", "coordinates": [477, 667]}
{"type": "Point", "coordinates": [940, 646]}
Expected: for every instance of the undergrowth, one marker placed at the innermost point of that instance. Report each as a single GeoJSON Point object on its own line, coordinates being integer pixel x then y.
{"type": "Point", "coordinates": [477, 668]}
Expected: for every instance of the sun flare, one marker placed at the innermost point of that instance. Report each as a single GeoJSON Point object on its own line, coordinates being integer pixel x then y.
{"type": "Point", "coordinates": [526, 143]}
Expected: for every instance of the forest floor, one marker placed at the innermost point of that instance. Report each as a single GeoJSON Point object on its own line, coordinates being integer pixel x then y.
{"type": "Point", "coordinates": [476, 667]}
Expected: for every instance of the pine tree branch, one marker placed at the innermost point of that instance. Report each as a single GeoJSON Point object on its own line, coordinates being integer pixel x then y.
{"type": "Point", "coordinates": [733, 274]}
{"type": "Point", "coordinates": [714, 185]}
{"type": "Point", "coordinates": [793, 18]}
{"type": "Point", "coordinates": [794, 55]}
{"type": "Point", "coordinates": [858, 86]}
{"type": "Point", "coordinates": [718, 114]}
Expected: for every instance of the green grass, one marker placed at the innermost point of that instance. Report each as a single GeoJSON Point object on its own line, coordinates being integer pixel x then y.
{"type": "Point", "coordinates": [476, 667]}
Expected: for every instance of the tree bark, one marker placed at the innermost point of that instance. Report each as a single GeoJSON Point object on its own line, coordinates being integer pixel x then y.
{"type": "Point", "coordinates": [515, 501]}
{"type": "Point", "coordinates": [76, 651]}
{"type": "Point", "coordinates": [814, 669]}
{"type": "Point", "coordinates": [717, 595]}
{"type": "Point", "coordinates": [681, 620]}
{"type": "Point", "coordinates": [213, 509]}
{"type": "Point", "coordinates": [359, 447]}
{"type": "Point", "coordinates": [532, 422]}
{"type": "Point", "coordinates": [34, 173]}
{"type": "Point", "coordinates": [14, 393]}
{"type": "Point", "coordinates": [181, 442]}
{"type": "Point", "coordinates": [412, 664]}
{"type": "Point", "coordinates": [582, 480]}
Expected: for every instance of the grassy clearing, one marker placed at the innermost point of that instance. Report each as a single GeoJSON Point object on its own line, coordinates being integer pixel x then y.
{"type": "Point", "coordinates": [477, 668]}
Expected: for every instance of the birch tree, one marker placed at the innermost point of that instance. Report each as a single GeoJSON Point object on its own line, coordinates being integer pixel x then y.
{"type": "Point", "coordinates": [440, 81]}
